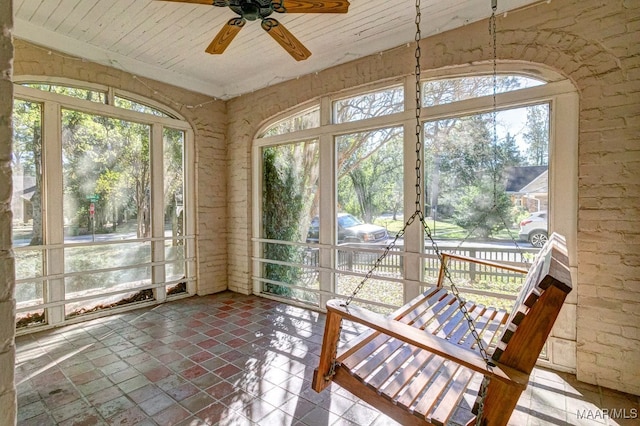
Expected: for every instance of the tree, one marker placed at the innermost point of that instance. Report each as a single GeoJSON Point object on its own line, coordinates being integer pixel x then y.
{"type": "Point", "coordinates": [508, 152]}
{"type": "Point", "coordinates": [108, 158]}
{"type": "Point", "coordinates": [370, 170]}
{"type": "Point", "coordinates": [27, 157]}
{"type": "Point", "coordinates": [282, 206]}
{"type": "Point", "coordinates": [369, 163]}
{"type": "Point", "coordinates": [174, 181]}
{"type": "Point", "coordinates": [471, 166]}
{"type": "Point", "coordinates": [479, 210]}
{"type": "Point", "coordinates": [457, 149]}
{"type": "Point", "coordinates": [537, 135]}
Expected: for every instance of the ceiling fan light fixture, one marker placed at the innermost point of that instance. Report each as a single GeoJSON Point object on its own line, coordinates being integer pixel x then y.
{"type": "Point", "coordinates": [250, 11]}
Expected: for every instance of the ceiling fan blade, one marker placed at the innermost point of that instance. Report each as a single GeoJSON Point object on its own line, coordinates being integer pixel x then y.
{"type": "Point", "coordinates": [225, 36]}
{"type": "Point", "coordinates": [312, 6]}
{"type": "Point", "coordinates": [220, 3]}
{"type": "Point", "coordinates": [285, 39]}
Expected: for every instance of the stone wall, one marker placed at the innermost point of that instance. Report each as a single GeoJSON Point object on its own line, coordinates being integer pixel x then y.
{"type": "Point", "coordinates": [593, 43]}
{"type": "Point", "coordinates": [206, 116]}
{"type": "Point", "coordinates": [7, 276]}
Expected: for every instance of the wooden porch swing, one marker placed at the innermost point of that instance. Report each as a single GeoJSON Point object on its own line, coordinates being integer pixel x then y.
{"type": "Point", "coordinates": [440, 359]}
{"type": "Point", "coordinates": [422, 364]}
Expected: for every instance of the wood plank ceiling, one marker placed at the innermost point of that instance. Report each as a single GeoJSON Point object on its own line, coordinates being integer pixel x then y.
{"type": "Point", "coordinates": [165, 41]}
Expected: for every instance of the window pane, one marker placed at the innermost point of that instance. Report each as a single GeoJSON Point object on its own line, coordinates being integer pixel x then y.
{"type": "Point", "coordinates": [289, 202]}
{"type": "Point", "coordinates": [105, 165]}
{"type": "Point", "coordinates": [176, 268]}
{"type": "Point", "coordinates": [104, 300]}
{"type": "Point", "coordinates": [26, 167]}
{"type": "Point", "coordinates": [89, 259]}
{"type": "Point", "coordinates": [104, 256]}
{"type": "Point", "coordinates": [292, 276]}
{"type": "Point", "coordinates": [480, 190]}
{"type": "Point", "coordinates": [305, 120]}
{"type": "Point", "coordinates": [29, 263]}
{"type": "Point", "coordinates": [137, 106]}
{"type": "Point", "coordinates": [74, 92]}
{"type": "Point", "coordinates": [370, 185]}
{"type": "Point", "coordinates": [375, 104]}
{"type": "Point", "coordinates": [29, 294]}
{"type": "Point", "coordinates": [174, 221]}
{"type": "Point", "coordinates": [360, 260]}
{"type": "Point", "coordinates": [483, 284]}
{"type": "Point", "coordinates": [440, 92]}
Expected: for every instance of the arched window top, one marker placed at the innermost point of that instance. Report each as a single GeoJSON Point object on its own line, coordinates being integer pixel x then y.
{"type": "Point", "coordinates": [445, 91]}
{"type": "Point", "coordinates": [368, 105]}
{"type": "Point", "coordinates": [87, 94]}
{"type": "Point", "coordinates": [303, 120]}
{"type": "Point", "coordinates": [99, 94]}
{"type": "Point", "coordinates": [132, 105]}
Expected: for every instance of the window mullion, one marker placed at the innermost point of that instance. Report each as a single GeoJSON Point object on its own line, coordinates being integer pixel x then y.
{"type": "Point", "coordinates": [53, 208]}
{"type": "Point", "coordinates": [327, 214]}
{"type": "Point", "coordinates": [157, 210]}
{"type": "Point", "coordinates": [189, 208]}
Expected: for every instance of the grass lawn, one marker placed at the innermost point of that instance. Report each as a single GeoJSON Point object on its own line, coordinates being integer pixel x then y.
{"type": "Point", "coordinates": [445, 230]}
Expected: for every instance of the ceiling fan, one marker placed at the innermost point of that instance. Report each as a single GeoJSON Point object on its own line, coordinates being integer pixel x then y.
{"type": "Point", "coordinates": [251, 10]}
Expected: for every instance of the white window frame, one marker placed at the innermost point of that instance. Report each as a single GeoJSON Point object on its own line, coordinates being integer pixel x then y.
{"type": "Point", "coordinates": [53, 249]}
{"type": "Point", "coordinates": [558, 92]}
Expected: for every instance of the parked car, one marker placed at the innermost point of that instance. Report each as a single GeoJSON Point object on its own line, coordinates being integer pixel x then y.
{"type": "Point", "coordinates": [350, 230]}
{"type": "Point", "coordinates": [534, 229]}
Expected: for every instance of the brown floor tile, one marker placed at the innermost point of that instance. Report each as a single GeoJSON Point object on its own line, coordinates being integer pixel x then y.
{"type": "Point", "coordinates": [230, 360]}
{"type": "Point", "coordinates": [130, 416]}
{"type": "Point", "coordinates": [144, 393]}
{"type": "Point", "coordinates": [156, 404]}
{"type": "Point", "coordinates": [172, 415]}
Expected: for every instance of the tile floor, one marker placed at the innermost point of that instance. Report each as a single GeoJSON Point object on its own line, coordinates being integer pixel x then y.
{"type": "Point", "coordinates": [230, 359]}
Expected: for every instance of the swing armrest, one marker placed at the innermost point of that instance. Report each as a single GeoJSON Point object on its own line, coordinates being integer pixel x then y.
{"type": "Point", "coordinates": [423, 340]}
{"type": "Point", "coordinates": [447, 256]}
{"type": "Point", "coordinates": [505, 266]}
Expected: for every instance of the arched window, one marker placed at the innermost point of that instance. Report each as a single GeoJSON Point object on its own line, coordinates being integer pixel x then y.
{"type": "Point", "coordinates": [102, 191]}
{"type": "Point", "coordinates": [498, 171]}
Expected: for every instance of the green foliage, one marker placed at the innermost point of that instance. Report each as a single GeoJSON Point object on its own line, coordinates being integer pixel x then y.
{"type": "Point", "coordinates": [108, 158]}
{"type": "Point", "coordinates": [370, 172]}
{"type": "Point", "coordinates": [282, 207]}
{"type": "Point", "coordinates": [537, 135]}
{"type": "Point", "coordinates": [480, 209]}
{"type": "Point", "coordinates": [27, 157]}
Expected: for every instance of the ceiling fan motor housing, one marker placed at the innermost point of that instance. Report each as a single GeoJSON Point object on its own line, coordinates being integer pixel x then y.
{"type": "Point", "coordinates": [252, 10]}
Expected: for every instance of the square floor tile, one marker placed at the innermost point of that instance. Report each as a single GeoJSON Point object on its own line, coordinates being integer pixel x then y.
{"type": "Point", "coordinates": [227, 359]}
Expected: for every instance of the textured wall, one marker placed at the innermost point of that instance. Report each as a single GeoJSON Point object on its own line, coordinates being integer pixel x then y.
{"type": "Point", "coordinates": [593, 43]}
{"type": "Point", "coordinates": [206, 116]}
{"type": "Point", "coordinates": [7, 276]}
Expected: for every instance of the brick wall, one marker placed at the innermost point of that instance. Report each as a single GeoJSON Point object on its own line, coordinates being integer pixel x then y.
{"type": "Point", "coordinates": [7, 276]}
{"type": "Point", "coordinates": [593, 43]}
{"type": "Point", "coordinates": [206, 116]}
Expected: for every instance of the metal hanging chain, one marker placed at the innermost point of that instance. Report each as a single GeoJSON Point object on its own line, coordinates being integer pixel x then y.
{"type": "Point", "coordinates": [482, 392]}
{"type": "Point", "coordinates": [494, 144]}
{"type": "Point", "coordinates": [419, 214]}
{"type": "Point", "coordinates": [494, 112]}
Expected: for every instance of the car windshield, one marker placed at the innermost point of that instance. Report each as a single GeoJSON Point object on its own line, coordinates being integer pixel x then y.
{"type": "Point", "coordinates": [348, 221]}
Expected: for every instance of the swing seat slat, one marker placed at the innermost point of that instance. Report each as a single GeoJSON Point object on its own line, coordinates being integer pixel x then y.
{"type": "Point", "coordinates": [422, 365]}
